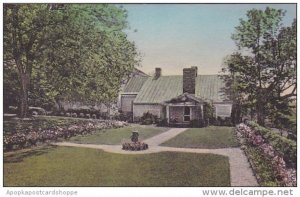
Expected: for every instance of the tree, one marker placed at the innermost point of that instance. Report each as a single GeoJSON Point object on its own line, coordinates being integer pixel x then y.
{"type": "Point", "coordinates": [10, 87]}
{"type": "Point", "coordinates": [239, 85]}
{"type": "Point", "coordinates": [271, 61]}
{"type": "Point", "coordinates": [72, 51]}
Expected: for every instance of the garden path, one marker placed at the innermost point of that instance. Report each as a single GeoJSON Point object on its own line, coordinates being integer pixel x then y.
{"type": "Point", "coordinates": [240, 171]}
{"type": "Point", "coordinates": [163, 137]}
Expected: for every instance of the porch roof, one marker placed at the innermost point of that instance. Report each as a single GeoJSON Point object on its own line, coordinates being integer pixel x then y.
{"type": "Point", "coordinates": [185, 97]}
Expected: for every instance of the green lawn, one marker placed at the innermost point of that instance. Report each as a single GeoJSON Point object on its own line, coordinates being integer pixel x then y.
{"type": "Point", "coordinates": [69, 166]}
{"type": "Point", "coordinates": [117, 136]}
{"type": "Point", "coordinates": [207, 137]}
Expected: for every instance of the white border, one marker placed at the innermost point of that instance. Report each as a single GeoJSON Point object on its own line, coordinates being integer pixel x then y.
{"type": "Point", "coordinates": [125, 191]}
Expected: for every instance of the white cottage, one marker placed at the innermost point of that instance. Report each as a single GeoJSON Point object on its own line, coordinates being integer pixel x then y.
{"type": "Point", "coordinates": [178, 99]}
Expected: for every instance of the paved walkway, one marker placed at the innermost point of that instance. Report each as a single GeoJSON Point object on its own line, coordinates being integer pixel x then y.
{"type": "Point", "coordinates": [163, 137]}
{"type": "Point", "coordinates": [240, 171]}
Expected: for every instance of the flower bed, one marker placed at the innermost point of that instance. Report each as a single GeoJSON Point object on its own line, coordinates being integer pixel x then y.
{"type": "Point", "coordinates": [134, 146]}
{"type": "Point", "coordinates": [19, 140]}
{"type": "Point", "coordinates": [285, 147]}
{"type": "Point", "coordinates": [264, 150]}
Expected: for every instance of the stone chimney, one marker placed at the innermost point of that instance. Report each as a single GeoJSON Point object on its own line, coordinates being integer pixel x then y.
{"type": "Point", "coordinates": [157, 73]}
{"type": "Point", "coordinates": [189, 79]}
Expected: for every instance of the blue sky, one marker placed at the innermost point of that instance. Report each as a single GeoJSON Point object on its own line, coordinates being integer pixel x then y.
{"type": "Point", "coordinates": [174, 36]}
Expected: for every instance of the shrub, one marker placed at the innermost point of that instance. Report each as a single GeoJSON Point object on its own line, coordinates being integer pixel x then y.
{"type": "Point", "coordinates": [286, 147]}
{"type": "Point", "coordinates": [19, 140]}
{"type": "Point", "coordinates": [208, 111]}
{"type": "Point", "coordinates": [162, 122]}
{"type": "Point", "coordinates": [149, 118]}
{"type": "Point", "coordinates": [83, 113]}
{"type": "Point", "coordinates": [262, 167]}
{"type": "Point", "coordinates": [196, 123]}
{"type": "Point", "coordinates": [274, 151]}
{"type": "Point", "coordinates": [134, 146]}
{"type": "Point", "coordinates": [103, 115]}
{"type": "Point", "coordinates": [125, 116]}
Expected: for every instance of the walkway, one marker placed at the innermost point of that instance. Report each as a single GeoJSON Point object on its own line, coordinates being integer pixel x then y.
{"type": "Point", "coordinates": [240, 170]}
{"type": "Point", "coordinates": [163, 137]}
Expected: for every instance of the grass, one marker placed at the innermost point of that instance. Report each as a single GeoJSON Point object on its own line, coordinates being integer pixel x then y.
{"type": "Point", "coordinates": [69, 166]}
{"type": "Point", "coordinates": [116, 136]}
{"type": "Point", "coordinates": [208, 137]}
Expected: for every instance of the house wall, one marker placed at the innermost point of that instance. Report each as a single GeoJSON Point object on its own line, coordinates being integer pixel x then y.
{"type": "Point", "coordinates": [196, 113]}
{"type": "Point", "coordinates": [140, 109]}
{"type": "Point", "coordinates": [223, 110]}
{"type": "Point", "coordinates": [126, 102]}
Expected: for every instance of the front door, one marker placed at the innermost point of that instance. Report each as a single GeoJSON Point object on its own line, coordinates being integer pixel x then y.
{"type": "Point", "coordinates": [187, 114]}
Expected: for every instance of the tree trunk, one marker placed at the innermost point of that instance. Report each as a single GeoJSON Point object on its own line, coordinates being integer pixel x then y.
{"type": "Point", "coordinates": [260, 110]}
{"type": "Point", "coordinates": [23, 106]}
{"type": "Point", "coordinates": [236, 114]}
{"type": "Point", "coordinates": [108, 111]}
{"type": "Point", "coordinates": [59, 104]}
{"type": "Point", "coordinates": [260, 118]}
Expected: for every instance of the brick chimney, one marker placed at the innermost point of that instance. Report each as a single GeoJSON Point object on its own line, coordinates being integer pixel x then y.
{"type": "Point", "coordinates": [196, 70]}
{"type": "Point", "coordinates": [189, 79]}
{"type": "Point", "coordinates": [157, 73]}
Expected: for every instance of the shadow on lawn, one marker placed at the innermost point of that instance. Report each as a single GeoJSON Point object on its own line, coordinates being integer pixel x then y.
{"type": "Point", "coordinates": [19, 156]}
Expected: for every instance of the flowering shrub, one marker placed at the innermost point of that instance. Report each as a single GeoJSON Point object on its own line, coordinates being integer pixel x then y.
{"type": "Point", "coordinates": [273, 155]}
{"type": "Point", "coordinates": [134, 146]}
{"type": "Point", "coordinates": [19, 140]}
{"type": "Point", "coordinates": [286, 147]}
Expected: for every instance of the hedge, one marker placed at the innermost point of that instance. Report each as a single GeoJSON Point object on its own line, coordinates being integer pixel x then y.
{"type": "Point", "coordinates": [270, 165]}
{"type": "Point", "coordinates": [32, 137]}
{"type": "Point", "coordinates": [286, 147]}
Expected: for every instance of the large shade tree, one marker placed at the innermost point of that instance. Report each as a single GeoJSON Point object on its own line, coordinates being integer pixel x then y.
{"type": "Point", "coordinates": [66, 51]}
{"type": "Point", "coordinates": [263, 72]}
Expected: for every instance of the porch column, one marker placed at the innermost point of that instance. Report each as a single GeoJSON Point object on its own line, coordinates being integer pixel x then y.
{"type": "Point", "coordinates": [202, 111]}
{"type": "Point", "coordinates": [168, 114]}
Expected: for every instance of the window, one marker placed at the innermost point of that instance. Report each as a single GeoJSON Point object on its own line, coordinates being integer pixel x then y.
{"type": "Point", "coordinates": [187, 114]}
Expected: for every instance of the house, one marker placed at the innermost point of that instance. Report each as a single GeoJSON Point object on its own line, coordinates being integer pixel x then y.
{"type": "Point", "coordinates": [178, 99]}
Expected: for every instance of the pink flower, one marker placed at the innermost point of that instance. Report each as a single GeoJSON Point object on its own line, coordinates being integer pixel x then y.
{"type": "Point", "coordinates": [258, 140]}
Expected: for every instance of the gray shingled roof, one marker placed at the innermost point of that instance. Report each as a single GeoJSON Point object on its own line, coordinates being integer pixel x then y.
{"type": "Point", "coordinates": [167, 87]}
{"type": "Point", "coordinates": [135, 84]}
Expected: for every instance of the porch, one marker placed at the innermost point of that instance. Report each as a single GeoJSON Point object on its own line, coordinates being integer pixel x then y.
{"type": "Point", "coordinates": [184, 111]}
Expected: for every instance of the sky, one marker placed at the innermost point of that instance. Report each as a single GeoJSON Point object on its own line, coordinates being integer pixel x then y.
{"type": "Point", "coordinates": [176, 36]}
